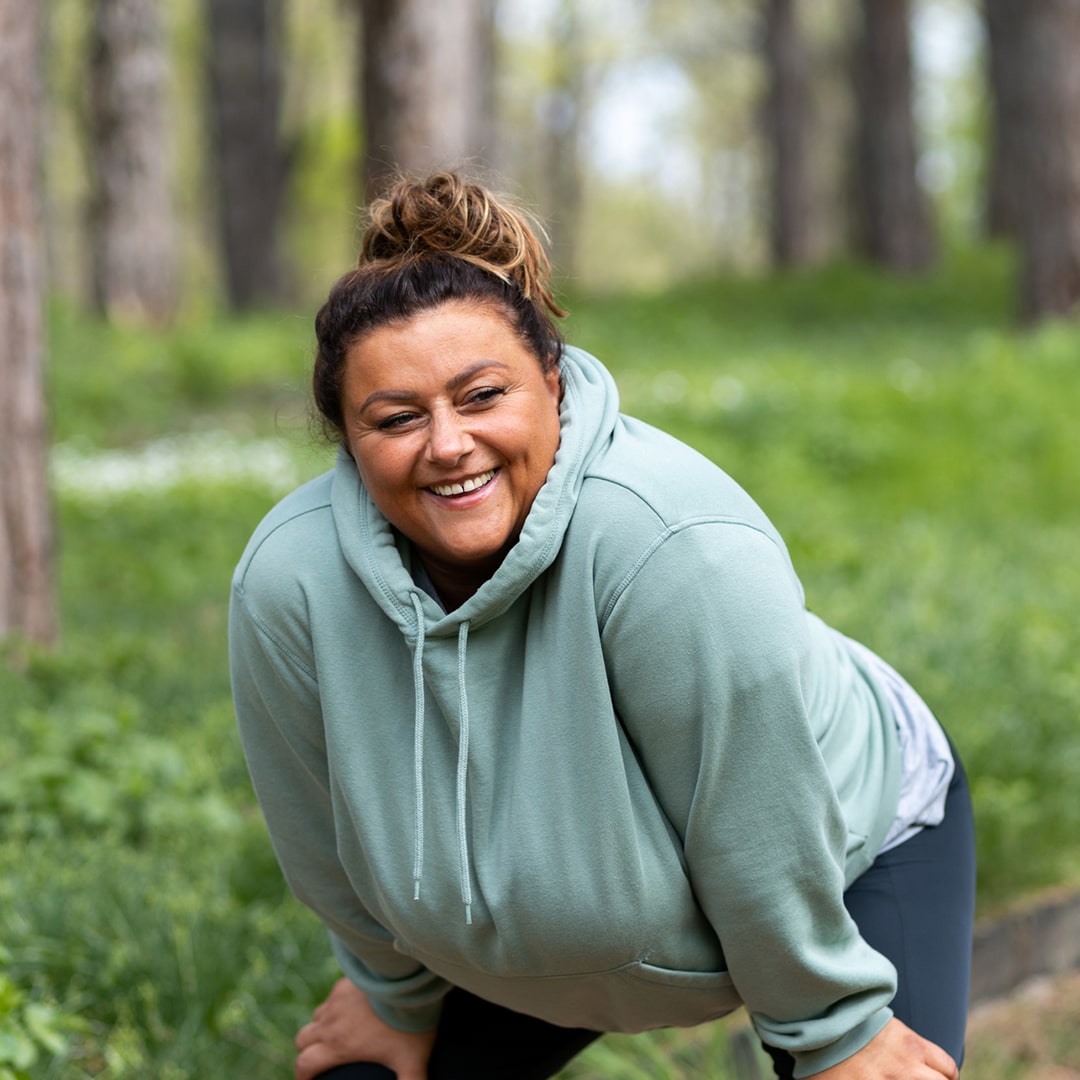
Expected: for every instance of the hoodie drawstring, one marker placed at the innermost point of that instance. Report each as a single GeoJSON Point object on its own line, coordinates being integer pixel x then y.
{"type": "Point", "coordinates": [462, 761]}
{"type": "Point", "coordinates": [418, 746]}
{"type": "Point", "coordinates": [462, 769]}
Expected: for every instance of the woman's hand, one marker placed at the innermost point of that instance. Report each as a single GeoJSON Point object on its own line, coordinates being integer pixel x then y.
{"type": "Point", "coordinates": [895, 1053]}
{"type": "Point", "coordinates": [345, 1028]}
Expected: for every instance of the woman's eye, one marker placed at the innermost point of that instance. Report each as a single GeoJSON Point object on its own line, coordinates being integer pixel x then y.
{"type": "Point", "coordinates": [486, 395]}
{"type": "Point", "coordinates": [398, 420]}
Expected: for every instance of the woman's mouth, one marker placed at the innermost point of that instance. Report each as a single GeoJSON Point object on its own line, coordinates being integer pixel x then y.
{"type": "Point", "coordinates": [472, 484]}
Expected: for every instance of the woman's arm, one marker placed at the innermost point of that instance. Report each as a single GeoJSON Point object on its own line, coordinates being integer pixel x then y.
{"type": "Point", "coordinates": [277, 706]}
{"type": "Point", "coordinates": [709, 653]}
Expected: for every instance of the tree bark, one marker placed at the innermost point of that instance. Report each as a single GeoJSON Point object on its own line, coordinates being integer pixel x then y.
{"type": "Point", "coordinates": [788, 123]}
{"type": "Point", "coordinates": [26, 587]}
{"type": "Point", "coordinates": [1005, 188]}
{"type": "Point", "coordinates": [485, 123]}
{"type": "Point", "coordinates": [132, 225]}
{"type": "Point", "coordinates": [1038, 45]}
{"type": "Point", "coordinates": [564, 106]}
{"type": "Point", "coordinates": [423, 92]}
{"type": "Point", "coordinates": [250, 162]}
{"type": "Point", "coordinates": [895, 222]}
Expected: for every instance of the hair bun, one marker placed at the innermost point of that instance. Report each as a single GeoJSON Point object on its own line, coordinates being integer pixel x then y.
{"type": "Point", "coordinates": [446, 216]}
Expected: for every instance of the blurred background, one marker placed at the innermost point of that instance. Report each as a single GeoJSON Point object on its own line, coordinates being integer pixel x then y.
{"type": "Point", "coordinates": [833, 244]}
{"type": "Point", "coordinates": [657, 140]}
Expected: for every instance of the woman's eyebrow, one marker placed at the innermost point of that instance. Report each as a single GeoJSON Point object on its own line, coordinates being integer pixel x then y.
{"type": "Point", "coordinates": [452, 384]}
{"type": "Point", "coordinates": [471, 370]}
{"type": "Point", "coordinates": [386, 395]}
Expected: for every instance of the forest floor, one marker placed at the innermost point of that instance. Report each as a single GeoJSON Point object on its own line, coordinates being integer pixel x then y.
{"type": "Point", "coordinates": [1033, 1034]}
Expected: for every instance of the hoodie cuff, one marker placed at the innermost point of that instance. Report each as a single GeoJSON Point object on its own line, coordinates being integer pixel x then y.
{"type": "Point", "coordinates": [411, 1000]}
{"type": "Point", "coordinates": [812, 1062]}
{"type": "Point", "coordinates": [414, 1019]}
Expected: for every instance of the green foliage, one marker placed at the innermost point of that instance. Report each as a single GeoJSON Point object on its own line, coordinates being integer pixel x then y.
{"type": "Point", "coordinates": [95, 770]}
{"type": "Point", "coordinates": [28, 1028]}
{"type": "Point", "coordinates": [920, 457]}
{"type": "Point", "coordinates": [172, 971]}
{"type": "Point", "coordinates": [112, 386]}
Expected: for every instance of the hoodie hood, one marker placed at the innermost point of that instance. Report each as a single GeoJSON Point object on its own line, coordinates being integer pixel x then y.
{"type": "Point", "coordinates": [378, 554]}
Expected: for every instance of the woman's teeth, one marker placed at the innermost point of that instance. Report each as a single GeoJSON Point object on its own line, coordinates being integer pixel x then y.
{"type": "Point", "coordinates": [468, 485]}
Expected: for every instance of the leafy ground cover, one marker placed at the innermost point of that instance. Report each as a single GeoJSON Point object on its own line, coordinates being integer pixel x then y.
{"type": "Point", "coordinates": [920, 456]}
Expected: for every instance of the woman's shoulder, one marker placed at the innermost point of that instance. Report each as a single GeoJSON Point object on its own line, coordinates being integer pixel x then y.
{"type": "Point", "coordinates": [293, 533]}
{"type": "Point", "coordinates": [648, 474]}
{"type": "Point", "coordinates": [651, 494]}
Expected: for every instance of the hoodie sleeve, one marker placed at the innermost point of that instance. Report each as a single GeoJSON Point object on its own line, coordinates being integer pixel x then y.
{"type": "Point", "coordinates": [276, 696]}
{"type": "Point", "coordinates": [709, 654]}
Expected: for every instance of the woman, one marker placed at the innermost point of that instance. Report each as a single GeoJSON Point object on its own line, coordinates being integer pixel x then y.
{"type": "Point", "coordinates": [541, 728]}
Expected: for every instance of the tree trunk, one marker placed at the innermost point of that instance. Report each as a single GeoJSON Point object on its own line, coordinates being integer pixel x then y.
{"type": "Point", "coordinates": [563, 111]}
{"type": "Point", "coordinates": [132, 225]}
{"type": "Point", "coordinates": [788, 123]}
{"type": "Point", "coordinates": [1038, 47]}
{"type": "Point", "coordinates": [895, 221]}
{"type": "Point", "coordinates": [485, 123]}
{"type": "Point", "coordinates": [1005, 187]}
{"type": "Point", "coordinates": [423, 94]}
{"type": "Point", "coordinates": [26, 589]}
{"type": "Point", "coordinates": [250, 162]}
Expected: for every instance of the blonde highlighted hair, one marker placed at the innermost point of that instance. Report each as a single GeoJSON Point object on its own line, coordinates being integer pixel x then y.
{"type": "Point", "coordinates": [447, 215]}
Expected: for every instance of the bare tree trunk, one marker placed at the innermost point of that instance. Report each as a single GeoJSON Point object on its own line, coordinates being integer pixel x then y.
{"type": "Point", "coordinates": [1005, 187]}
{"type": "Point", "coordinates": [485, 124]}
{"type": "Point", "coordinates": [26, 587]}
{"type": "Point", "coordinates": [564, 108]}
{"type": "Point", "coordinates": [788, 123]}
{"type": "Point", "coordinates": [251, 164]}
{"type": "Point", "coordinates": [422, 93]}
{"type": "Point", "coordinates": [1038, 47]}
{"type": "Point", "coordinates": [896, 228]}
{"type": "Point", "coordinates": [132, 224]}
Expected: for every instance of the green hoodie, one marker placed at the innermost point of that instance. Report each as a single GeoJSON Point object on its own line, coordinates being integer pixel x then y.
{"type": "Point", "coordinates": [622, 787]}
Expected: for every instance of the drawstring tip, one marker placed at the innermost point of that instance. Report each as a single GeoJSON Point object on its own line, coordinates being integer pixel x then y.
{"type": "Point", "coordinates": [416, 889]}
{"type": "Point", "coordinates": [468, 914]}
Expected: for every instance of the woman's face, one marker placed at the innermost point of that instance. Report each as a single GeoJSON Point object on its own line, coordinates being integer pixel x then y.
{"type": "Point", "coordinates": [453, 426]}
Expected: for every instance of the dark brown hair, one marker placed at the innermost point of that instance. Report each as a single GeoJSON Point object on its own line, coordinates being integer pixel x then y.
{"type": "Point", "coordinates": [427, 243]}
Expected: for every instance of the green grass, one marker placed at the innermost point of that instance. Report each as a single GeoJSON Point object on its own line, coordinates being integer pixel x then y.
{"type": "Point", "coordinates": [920, 456]}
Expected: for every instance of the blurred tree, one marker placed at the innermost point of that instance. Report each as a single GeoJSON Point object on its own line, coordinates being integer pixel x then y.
{"type": "Point", "coordinates": [1036, 83]}
{"type": "Point", "coordinates": [1005, 187]}
{"type": "Point", "coordinates": [894, 222]}
{"type": "Point", "coordinates": [131, 213]}
{"type": "Point", "coordinates": [788, 124]}
{"type": "Point", "coordinates": [425, 85]}
{"type": "Point", "coordinates": [26, 590]}
{"type": "Point", "coordinates": [563, 106]}
{"type": "Point", "coordinates": [485, 122]}
{"type": "Point", "coordinates": [251, 165]}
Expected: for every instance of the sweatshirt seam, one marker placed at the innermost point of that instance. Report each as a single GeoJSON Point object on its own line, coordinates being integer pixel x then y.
{"type": "Point", "coordinates": [249, 557]}
{"type": "Point", "coordinates": [669, 532]}
{"type": "Point", "coordinates": [263, 628]}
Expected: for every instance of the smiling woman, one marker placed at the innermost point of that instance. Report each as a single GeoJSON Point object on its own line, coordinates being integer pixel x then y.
{"type": "Point", "coordinates": [453, 426]}
{"type": "Point", "coordinates": [541, 727]}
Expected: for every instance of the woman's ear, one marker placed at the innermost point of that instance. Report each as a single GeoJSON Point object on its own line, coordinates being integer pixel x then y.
{"type": "Point", "coordinates": [553, 378]}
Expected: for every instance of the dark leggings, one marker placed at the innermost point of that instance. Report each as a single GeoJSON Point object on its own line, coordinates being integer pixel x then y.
{"type": "Point", "coordinates": [915, 905]}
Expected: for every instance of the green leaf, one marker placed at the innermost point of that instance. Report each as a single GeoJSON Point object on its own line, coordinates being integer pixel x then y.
{"type": "Point", "coordinates": [46, 1024]}
{"type": "Point", "coordinates": [17, 1048]}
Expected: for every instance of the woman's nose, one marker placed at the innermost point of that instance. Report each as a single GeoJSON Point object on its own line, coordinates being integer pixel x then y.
{"type": "Point", "coordinates": [448, 438]}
